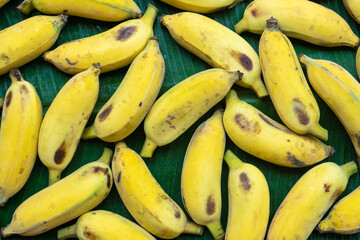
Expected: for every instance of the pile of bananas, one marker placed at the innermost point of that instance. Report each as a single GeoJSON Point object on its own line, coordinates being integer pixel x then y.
{"type": "Point", "coordinates": [299, 142]}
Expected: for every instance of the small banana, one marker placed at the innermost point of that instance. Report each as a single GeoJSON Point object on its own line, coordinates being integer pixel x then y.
{"type": "Point", "coordinates": [217, 45]}
{"type": "Point", "coordinates": [63, 201]}
{"type": "Point", "coordinates": [203, 6]}
{"type": "Point", "coordinates": [259, 135]}
{"type": "Point", "coordinates": [104, 225]}
{"type": "Point", "coordinates": [65, 121]}
{"type": "Point", "coordinates": [182, 105]}
{"type": "Point", "coordinates": [308, 200]}
{"type": "Point", "coordinates": [113, 49]}
{"type": "Point", "coordinates": [28, 39]}
{"type": "Point", "coordinates": [286, 83]}
{"type": "Point", "coordinates": [201, 174]}
{"type": "Point", "coordinates": [3, 2]}
{"type": "Point", "coordinates": [147, 202]}
{"type": "Point", "coordinates": [126, 109]}
{"type": "Point", "coordinates": [358, 62]}
{"type": "Point", "coordinates": [21, 119]}
{"type": "Point", "coordinates": [302, 19]}
{"type": "Point", "coordinates": [353, 8]}
{"type": "Point", "coordinates": [249, 200]}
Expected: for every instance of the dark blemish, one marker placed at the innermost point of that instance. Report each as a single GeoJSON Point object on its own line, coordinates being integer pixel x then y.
{"type": "Point", "coordinates": [71, 63]}
{"type": "Point", "coordinates": [119, 177]}
{"type": "Point", "coordinates": [244, 60]}
{"type": "Point", "coordinates": [104, 114]}
{"type": "Point", "coordinates": [254, 12]}
{"type": "Point", "coordinates": [44, 222]}
{"type": "Point", "coordinates": [140, 104]}
{"type": "Point", "coordinates": [299, 110]}
{"type": "Point", "coordinates": [100, 169]}
{"type": "Point", "coordinates": [168, 122]}
{"type": "Point", "coordinates": [65, 11]}
{"type": "Point", "coordinates": [173, 127]}
{"type": "Point", "coordinates": [245, 125]}
{"type": "Point", "coordinates": [108, 183]}
{"type": "Point", "coordinates": [268, 121]}
{"type": "Point", "coordinates": [245, 181]}
{"type": "Point", "coordinates": [21, 170]}
{"type": "Point", "coordinates": [294, 161]}
{"type": "Point", "coordinates": [210, 205]}
{"type": "Point", "coordinates": [125, 33]}
{"type": "Point", "coordinates": [177, 214]}
{"type": "Point", "coordinates": [216, 95]}
{"type": "Point", "coordinates": [89, 235]}
{"type": "Point", "coordinates": [60, 154]}
{"type": "Point", "coordinates": [5, 58]}
{"type": "Point", "coordinates": [327, 187]}
{"type": "Point", "coordinates": [8, 99]}
{"type": "Point", "coordinates": [171, 117]}
{"type": "Point", "coordinates": [23, 89]}
{"type": "Point", "coordinates": [357, 140]}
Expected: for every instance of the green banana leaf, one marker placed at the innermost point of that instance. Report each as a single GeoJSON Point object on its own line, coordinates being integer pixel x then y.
{"type": "Point", "coordinates": [166, 164]}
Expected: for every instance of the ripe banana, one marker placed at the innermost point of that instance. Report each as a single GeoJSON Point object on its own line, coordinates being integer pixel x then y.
{"type": "Point", "coordinates": [358, 62]}
{"type": "Point", "coordinates": [249, 200]}
{"type": "Point", "coordinates": [286, 83]}
{"type": "Point", "coordinates": [309, 199]}
{"type": "Point", "coordinates": [126, 109]}
{"type": "Point", "coordinates": [182, 105]}
{"type": "Point", "coordinates": [259, 135]}
{"type": "Point", "coordinates": [302, 19]}
{"type": "Point", "coordinates": [353, 8]}
{"type": "Point", "coordinates": [201, 174]}
{"type": "Point", "coordinates": [113, 49]}
{"type": "Point", "coordinates": [217, 45]}
{"type": "Point", "coordinates": [63, 201]}
{"type": "Point", "coordinates": [202, 6]}
{"type": "Point", "coordinates": [21, 119]}
{"type": "Point", "coordinates": [65, 120]}
{"type": "Point", "coordinates": [104, 225]}
{"type": "Point", "coordinates": [104, 10]}
{"type": "Point", "coordinates": [3, 2]}
{"type": "Point", "coordinates": [28, 39]}
{"type": "Point", "coordinates": [147, 202]}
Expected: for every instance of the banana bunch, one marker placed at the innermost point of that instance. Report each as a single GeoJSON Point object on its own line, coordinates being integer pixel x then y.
{"type": "Point", "coordinates": [308, 200]}
{"type": "Point", "coordinates": [353, 8]}
{"type": "Point", "coordinates": [126, 109]}
{"type": "Point", "coordinates": [203, 6]}
{"type": "Point", "coordinates": [302, 19]}
{"type": "Point", "coordinates": [104, 10]}
{"type": "Point", "coordinates": [249, 200]}
{"type": "Point", "coordinates": [259, 135]}
{"type": "Point", "coordinates": [3, 2]}
{"type": "Point", "coordinates": [217, 45]}
{"type": "Point", "coordinates": [65, 120]}
{"type": "Point", "coordinates": [63, 201]}
{"type": "Point", "coordinates": [286, 83]}
{"type": "Point", "coordinates": [104, 225]}
{"type": "Point", "coordinates": [113, 49]}
{"type": "Point", "coordinates": [20, 124]}
{"type": "Point", "coordinates": [201, 175]}
{"type": "Point", "coordinates": [358, 62]}
{"type": "Point", "coordinates": [28, 39]}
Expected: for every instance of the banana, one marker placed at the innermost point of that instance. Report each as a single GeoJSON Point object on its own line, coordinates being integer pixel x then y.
{"type": "Point", "coordinates": [302, 19]}
{"type": "Point", "coordinates": [217, 45]}
{"type": "Point", "coordinates": [259, 135]}
{"type": "Point", "coordinates": [126, 109]}
{"type": "Point", "coordinates": [104, 225]}
{"type": "Point", "coordinates": [201, 174]}
{"type": "Point", "coordinates": [3, 2]}
{"type": "Point", "coordinates": [147, 202]}
{"type": "Point", "coordinates": [202, 6]}
{"type": "Point", "coordinates": [308, 200]}
{"type": "Point", "coordinates": [21, 119]}
{"type": "Point", "coordinates": [286, 83]}
{"type": "Point", "coordinates": [249, 200]}
{"type": "Point", "coordinates": [353, 8]}
{"type": "Point", "coordinates": [28, 39]}
{"type": "Point", "coordinates": [104, 10]}
{"type": "Point", "coordinates": [182, 105]}
{"type": "Point", "coordinates": [63, 201]}
{"type": "Point", "coordinates": [113, 49]}
{"type": "Point", "coordinates": [358, 62]}
{"type": "Point", "coordinates": [65, 120]}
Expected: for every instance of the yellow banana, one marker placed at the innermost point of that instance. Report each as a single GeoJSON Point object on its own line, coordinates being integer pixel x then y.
{"type": "Point", "coordinates": [113, 49]}
{"type": "Point", "coordinates": [63, 201]}
{"type": "Point", "coordinates": [147, 202]}
{"type": "Point", "coordinates": [302, 19]}
{"type": "Point", "coordinates": [249, 200]}
{"type": "Point", "coordinates": [202, 6]}
{"type": "Point", "coordinates": [21, 119]}
{"type": "Point", "coordinates": [217, 45]}
{"type": "Point", "coordinates": [308, 200]}
{"type": "Point", "coordinates": [28, 39]}
{"type": "Point", "coordinates": [3, 2]}
{"type": "Point", "coordinates": [353, 8]}
{"type": "Point", "coordinates": [104, 225]}
{"type": "Point", "coordinates": [65, 120]}
{"type": "Point", "coordinates": [286, 83]}
{"type": "Point", "coordinates": [201, 175]}
{"type": "Point", "coordinates": [259, 135]}
{"type": "Point", "coordinates": [126, 109]}
{"type": "Point", "coordinates": [105, 10]}
{"type": "Point", "coordinates": [358, 62]}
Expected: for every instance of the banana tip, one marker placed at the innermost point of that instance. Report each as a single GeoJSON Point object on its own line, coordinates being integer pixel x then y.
{"type": "Point", "coordinates": [64, 18]}
{"type": "Point", "coordinates": [154, 38]}
{"type": "Point", "coordinates": [16, 73]}
{"type": "Point", "coordinates": [358, 44]}
{"type": "Point", "coordinates": [97, 65]}
{"type": "Point", "coordinates": [300, 56]}
{"type": "Point", "coordinates": [240, 75]}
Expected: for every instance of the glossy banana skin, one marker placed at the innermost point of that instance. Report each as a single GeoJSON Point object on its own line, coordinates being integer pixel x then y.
{"type": "Point", "coordinates": [353, 8]}
{"type": "Point", "coordinates": [3, 2]}
{"type": "Point", "coordinates": [202, 6]}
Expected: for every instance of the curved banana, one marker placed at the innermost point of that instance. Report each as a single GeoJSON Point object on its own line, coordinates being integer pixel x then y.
{"type": "Point", "coordinates": [201, 174]}
{"type": "Point", "coordinates": [3, 2]}
{"type": "Point", "coordinates": [126, 109]}
{"type": "Point", "coordinates": [353, 8]}
{"type": "Point", "coordinates": [358, 62]}
{"type": "Point", "coordinates": [113, 49]}
{"type": "Point", "coordinates": [308, 200]}
{"type": "Point", "coordinates": [21, 119]}
{"type": "Point", "coordinates": [182, 105]}
{"type": "Point", "coordinates": [147, 202]}
{"type": "Point", "coordinates": [259, 135]}
{"type": "Point", "coordinates": [28, 39]}
{"type": "Point", "coordinates": [202, 6]}
{"type": "Point", "coordinates": [302, 19]}
{"type": "Point", "coordinates": [104, 225]}
{"type": "Point", "coordinates": [65, 121]}
{"type": "Point", "coordinates": [63, 201]}
{"type": "Point", "coordinates": [217, 45]}
{"type": "Point", "coordinates": [249, 200]}
{"type": "Point", "coordinates": [286, 83]}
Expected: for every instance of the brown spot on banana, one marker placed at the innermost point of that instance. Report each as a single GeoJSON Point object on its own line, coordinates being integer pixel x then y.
{"type": "Point", "coordinates": [244, 60]}
{"type": "Point", "coordinates": [125, 33]}
{"type": "Point", "coordinates": [118, 177]}
{"type": "Point", "coordinates": [210, 205]}
{"type": "Point", "coordinates": [105, 113]}
{"type": "Point", "coordinates": [294, 161]}
{"type": "Point", "coordinates": [299, 109]}
{"type": "Point", "coordinates": [60, 154]}
{"type": "Point", "coordinates": [140, 104]}
{"type": "Point", "coordinates": [254, 12]}
{"type": "Point", "coordinates": [89, 235]}
{"type": "Point", "coordinates": [24, 90]}
{"type": "Point", "coordinates": [244, 179]}
{"type": "Point", "coordinates": [327, 187]}
{"type": "Point", "coordinates": [5, 58]}
{"type": "Point", "coordinates": [71, 63]}
{"type": "Point", "coordinates": [177, 214]}
{"type": "Point", "coordinates": [8, 99]}
{"type": "Point", "coordinates": [246, 125]}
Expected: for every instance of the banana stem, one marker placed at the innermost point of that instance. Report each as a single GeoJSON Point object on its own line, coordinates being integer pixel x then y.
{"type": "Point", "coordinates": [54, 175]}
{"type": "Point", "coordinates": [148, 148]}
{"type": "Point", "coordinates": [15, 76]}
{"type": "Point", "coordinates": [216, 230]}
{"type": "Point", "coordinates": [241, 26]}
{"type": "Point", "coordinates": [319, 131]}
{"type": "Point", "coordinates": [193, 228]}
{"type": "Point", "coordinates": [89, 133]}
{"type": "Point", "coordinates": [150, 15]}
{"type": "Point", "coordinates": [26, 7]}
{"type": "Point", "coordinates": [232, 160]}
{"type": "Point", "coordinates": [230, 96]}
{"type": "Point", "coordinates": [6, 231]}
{"type": "Point", "coordinates": [349, 168]}
{"type": "Point", "coordinates": [259, 88]}
{"type": "Point", "coordinates": [106, 156]}
{"type": "Point", "coordinates": [66, 233]}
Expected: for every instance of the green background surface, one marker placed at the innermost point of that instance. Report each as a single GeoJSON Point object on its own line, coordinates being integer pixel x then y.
{"type": "Point", "coordinates": [166, 163]}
